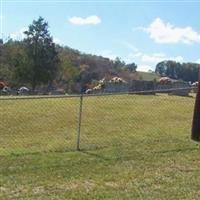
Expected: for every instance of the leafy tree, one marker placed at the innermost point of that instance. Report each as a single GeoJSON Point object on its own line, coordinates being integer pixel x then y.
{"type": "Point", "coordinates": [131, 67]}
{"type": "Point", "coordinates": [17, 61]}
{"type": "Point", "coordinates": [161, 68]}
{"type": "Point", "coordinates": [67, 70]}
{"type": "Point", "coordinates": [176, 70]}
{"type": "Point", "coordinates": [9, 57]}
{"type": "Point", "coordinates": [37, 62]}
{"type": "Point", "coordinates": [41, 53]}
{"type": "Point", "coordinates": [118, 64]}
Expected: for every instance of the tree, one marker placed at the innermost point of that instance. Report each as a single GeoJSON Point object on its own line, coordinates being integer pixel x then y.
{"type": "Point", "coordinates": [68, 73]}
{"type": "Point", "coordinates": [161, 68]}
{"type": "Point", "coordinates": [41, 53]}
{"type": "Point", "coordinates": [118, 64]}
{"type": "Point", "coordinates": [131, 67]}
{"type": "Point", "coordinates": [176, 70]}
{"type": "Point", "coordinates": [9, 57]}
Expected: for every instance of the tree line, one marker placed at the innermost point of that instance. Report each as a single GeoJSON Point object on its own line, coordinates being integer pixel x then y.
{"type": "Point", "coordinates": [38, 63]}
{"type": "Point", "coordinates": [175, 70]}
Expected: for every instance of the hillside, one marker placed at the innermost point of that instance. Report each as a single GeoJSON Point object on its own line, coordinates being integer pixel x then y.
{"type": "Point", "coordinates": [76, 71]}
{"type": "Point", "coordinates": [148, 76]}
{"type": "Point", "coordinates": [72, 71]}
{"type": "Point", "coordinates": [42, 65]}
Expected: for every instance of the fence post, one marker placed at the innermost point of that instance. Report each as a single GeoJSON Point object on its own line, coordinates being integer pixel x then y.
{"type": "Point", "coordinates": [79, 123]}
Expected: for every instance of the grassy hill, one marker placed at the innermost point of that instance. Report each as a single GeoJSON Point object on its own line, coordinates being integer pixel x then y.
{"type": "Point", "coordinates": [148, 76]}
{"type": "Point", "coordinates": [132, 147]}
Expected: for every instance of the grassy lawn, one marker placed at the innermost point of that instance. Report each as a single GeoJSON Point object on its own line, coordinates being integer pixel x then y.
{"type": "Point", "coordinates": [132, 147]}
{"type": "Point", "coordinates": [148, 76]}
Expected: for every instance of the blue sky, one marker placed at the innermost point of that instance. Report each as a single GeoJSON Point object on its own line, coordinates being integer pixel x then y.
{"type": "Point", "coordinates": [136, 31]}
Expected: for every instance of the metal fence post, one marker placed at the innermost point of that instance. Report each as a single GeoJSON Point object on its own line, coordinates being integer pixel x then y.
{"type": "Point", "coordinates": [79, 123]}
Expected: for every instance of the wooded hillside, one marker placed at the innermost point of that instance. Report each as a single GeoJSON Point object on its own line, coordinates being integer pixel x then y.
{"type": "Point", "coordinates": [39, 64]}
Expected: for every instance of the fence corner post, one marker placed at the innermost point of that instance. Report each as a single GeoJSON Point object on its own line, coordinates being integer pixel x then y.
{"type": "Point", "coordinates": [79, 123]}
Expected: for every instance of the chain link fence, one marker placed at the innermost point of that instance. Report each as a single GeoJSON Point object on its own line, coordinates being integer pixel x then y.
{"type": "Point", "coordinates": [87, 122]}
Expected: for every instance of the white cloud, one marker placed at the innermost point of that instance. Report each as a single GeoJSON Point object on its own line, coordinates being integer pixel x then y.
{"type": "Point", "coordinates": [132, 56]}
{"type": "Point", "coordinates": [155, 58]}
{"type": "Point", "coordinates": [18, 35]}
{"type": "Point", "coordinates": [138, 54]}
{"type": "Point", "coordinates": [108, 54]}
{"type": "Point", "coordinates": [198, 61]}
{"type": "Point", "coordinates": [164, 32]}
{"type": "Point", "coordinates": [57, 41]}
{"type": "Point", "coordinates": [151, 58]}
{"type": "Point", "coordinates": [90, 20]}
{"type": "Point", "coordinates": [144, 68]}
{"type": "Point", "coordinates": [148, 61]}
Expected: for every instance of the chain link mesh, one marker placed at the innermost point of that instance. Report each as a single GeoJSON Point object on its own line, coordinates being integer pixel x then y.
{"type": "Point", "coordinates": [43, 124]}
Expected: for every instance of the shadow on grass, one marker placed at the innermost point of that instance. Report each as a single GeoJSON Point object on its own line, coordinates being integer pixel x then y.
{"type": "Point", "coordinates": [177, 150]}
{"type": "Point", "coordinates": [135, 155]}
{"type": "Point", "coordinates": [96, 155]}
{"type": "Point", "coordinates": [113, 154]}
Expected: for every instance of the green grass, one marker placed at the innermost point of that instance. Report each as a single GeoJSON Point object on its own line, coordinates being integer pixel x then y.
{"type": "Point", "coordinates": [132, 147]}
{"type": "Point", "coordinates": [148, 76]}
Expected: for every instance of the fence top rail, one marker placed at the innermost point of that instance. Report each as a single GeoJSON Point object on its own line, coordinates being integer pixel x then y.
{"type": "Point", "coordinates": [93, 95]}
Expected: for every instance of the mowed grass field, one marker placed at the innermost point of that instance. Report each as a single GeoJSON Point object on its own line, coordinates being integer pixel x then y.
{"type": "Point", "coordinates": [132, 147]}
